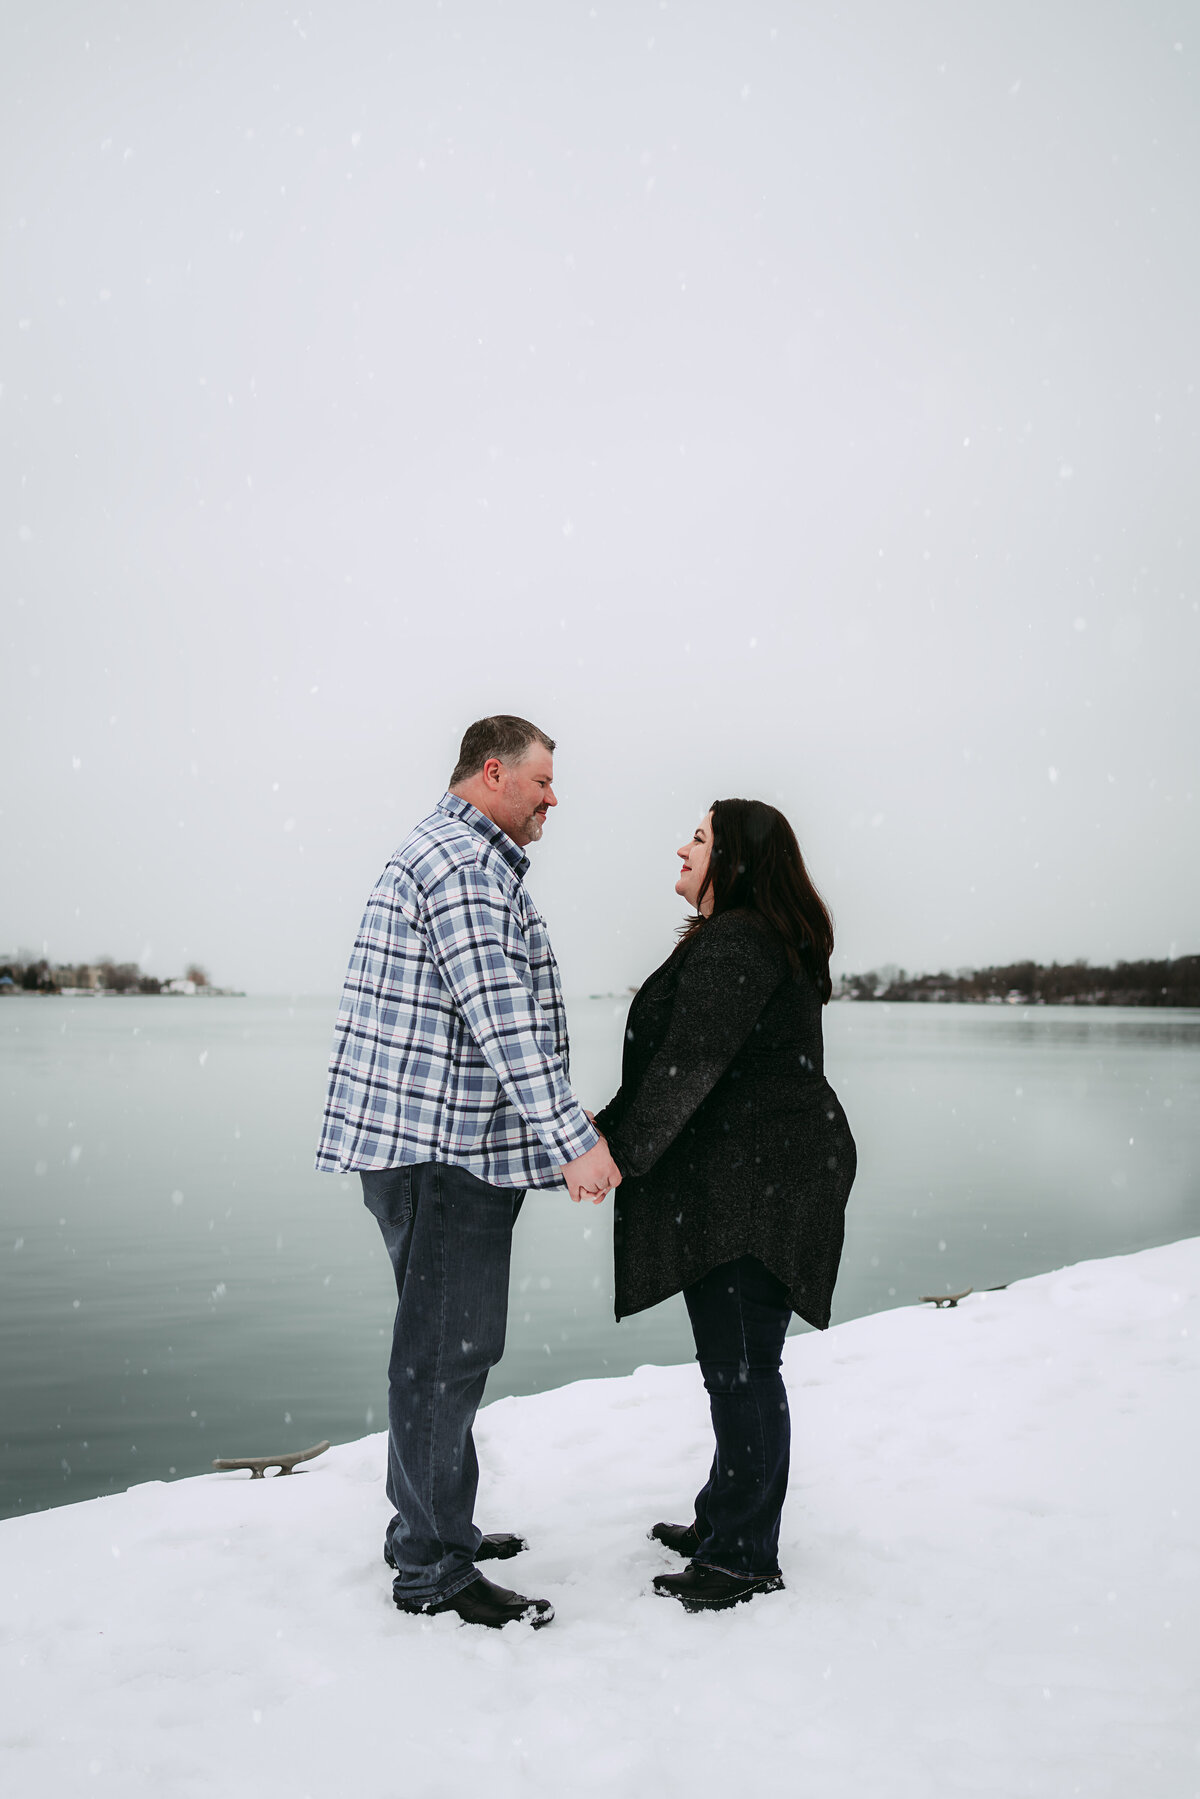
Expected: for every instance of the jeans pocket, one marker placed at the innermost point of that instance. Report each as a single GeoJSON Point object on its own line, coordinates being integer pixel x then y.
{"type": "Point", "coordinates": [387, 1194]}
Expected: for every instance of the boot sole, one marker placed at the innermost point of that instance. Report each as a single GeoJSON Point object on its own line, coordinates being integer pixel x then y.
{"type": "Point", "coordinates": [691, 1604]}
{"type": "Point", "coordinates": [535, 1620]}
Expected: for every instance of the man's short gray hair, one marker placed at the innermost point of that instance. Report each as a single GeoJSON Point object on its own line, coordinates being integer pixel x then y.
{"type": "Point", "coordinates": [506, 736]}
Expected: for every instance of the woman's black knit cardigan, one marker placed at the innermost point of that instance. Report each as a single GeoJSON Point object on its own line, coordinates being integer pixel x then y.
{"type": "Point", "coordinates": [729, 1139]}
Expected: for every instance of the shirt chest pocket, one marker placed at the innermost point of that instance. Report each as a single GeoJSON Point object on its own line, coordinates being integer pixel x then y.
{"type": "Point", "coordinates": [542, 964]}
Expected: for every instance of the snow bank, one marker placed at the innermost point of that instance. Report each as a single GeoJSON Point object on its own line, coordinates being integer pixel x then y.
{"type": "Point", "coordinates": [990, 1548]}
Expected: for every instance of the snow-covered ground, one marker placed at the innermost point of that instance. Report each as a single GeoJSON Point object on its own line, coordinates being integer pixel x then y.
{"type": "Point", "coordinates": [990, 1546]}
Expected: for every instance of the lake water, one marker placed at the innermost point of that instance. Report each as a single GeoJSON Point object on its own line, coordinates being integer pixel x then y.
{"type": "Point", "coordinates": [177, 1284]}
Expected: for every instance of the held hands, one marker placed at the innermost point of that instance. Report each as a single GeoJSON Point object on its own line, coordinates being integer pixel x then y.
{"type": "Point", "coordinates": [590, 1176]}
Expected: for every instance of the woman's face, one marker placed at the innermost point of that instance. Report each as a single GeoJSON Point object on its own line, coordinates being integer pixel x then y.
{"type": "Point", "coordinates": [694, 856]}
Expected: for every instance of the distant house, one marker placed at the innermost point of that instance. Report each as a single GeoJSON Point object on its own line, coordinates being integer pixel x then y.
{"type": "Point", "coordinates": [179, 986]}
{"type": "Point", "coordinates": [81, 979]}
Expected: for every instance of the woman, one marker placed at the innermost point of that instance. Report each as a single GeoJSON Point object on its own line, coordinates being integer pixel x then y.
{"type": "Point", "coordinates": [736, 1163]}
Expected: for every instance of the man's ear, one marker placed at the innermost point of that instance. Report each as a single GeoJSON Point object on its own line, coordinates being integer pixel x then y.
{"type": "Point", "coordinates": [491, 771]}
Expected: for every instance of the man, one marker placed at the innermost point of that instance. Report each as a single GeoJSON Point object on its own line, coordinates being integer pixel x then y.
{"type": "Point", "coordinates": [449, 1094]}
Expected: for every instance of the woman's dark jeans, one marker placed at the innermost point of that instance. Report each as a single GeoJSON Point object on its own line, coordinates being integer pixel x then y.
{"type": "Point", "coordinates": [740, 1315]}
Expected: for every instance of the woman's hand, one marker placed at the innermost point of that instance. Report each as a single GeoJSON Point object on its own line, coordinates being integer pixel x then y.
{"type": "Point", "coordinates": [590, 1176]}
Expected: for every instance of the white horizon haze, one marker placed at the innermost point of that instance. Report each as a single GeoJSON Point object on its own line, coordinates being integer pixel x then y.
{"type": "Point", "coordinates": [793, 403]}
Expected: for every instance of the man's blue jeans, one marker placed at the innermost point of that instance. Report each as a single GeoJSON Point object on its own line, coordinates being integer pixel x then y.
{"type": "Point", "coordinates": [449, 1237]}
{"type": "Point", "coordinates": [740, 1314]}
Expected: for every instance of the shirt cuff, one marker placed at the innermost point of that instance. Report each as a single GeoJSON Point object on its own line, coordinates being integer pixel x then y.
{"type": "Point", "coordinates": [572, 1137]}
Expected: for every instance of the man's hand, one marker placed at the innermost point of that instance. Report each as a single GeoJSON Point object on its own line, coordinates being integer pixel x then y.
{"type": "Point", "coordinates": [591, 1176]}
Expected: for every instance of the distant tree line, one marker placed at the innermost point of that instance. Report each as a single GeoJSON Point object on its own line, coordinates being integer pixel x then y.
{"type": "Point", "coordinates": [1172, 983]}
{"type": "Point", "coordinates": [27, 975]}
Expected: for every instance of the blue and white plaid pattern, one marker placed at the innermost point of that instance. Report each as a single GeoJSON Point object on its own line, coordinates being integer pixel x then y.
{"type": "Point", "coordinates": [451, 1039]}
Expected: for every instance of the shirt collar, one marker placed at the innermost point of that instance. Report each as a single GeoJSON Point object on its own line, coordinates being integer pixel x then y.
{"type": "Point", "coordinates": [456, 807]}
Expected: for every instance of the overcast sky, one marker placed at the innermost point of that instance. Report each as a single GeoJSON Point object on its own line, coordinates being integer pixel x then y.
{"type": "Point", "coordinates": [793, 400]}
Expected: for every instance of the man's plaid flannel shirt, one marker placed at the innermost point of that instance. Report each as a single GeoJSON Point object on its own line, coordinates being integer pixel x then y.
{"type": "Point", "coordinates": [451, 1039]}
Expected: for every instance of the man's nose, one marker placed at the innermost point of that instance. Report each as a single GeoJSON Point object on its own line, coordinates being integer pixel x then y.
{"type": "Point", "coordinates": [550, 798]}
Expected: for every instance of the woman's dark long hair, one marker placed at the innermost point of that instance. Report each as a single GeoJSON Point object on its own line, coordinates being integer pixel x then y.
{"type": "Point", "coordinates": [755, 862]}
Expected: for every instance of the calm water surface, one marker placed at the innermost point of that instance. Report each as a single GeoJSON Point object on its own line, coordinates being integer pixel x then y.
{"type": "Point", "coordinates": [177, 1284]}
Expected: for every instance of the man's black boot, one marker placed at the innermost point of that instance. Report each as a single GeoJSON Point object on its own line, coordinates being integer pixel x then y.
{"type": "Point", "coordinates": [482, 1603]}
{"type": "Point", "coordinates": [684, 1539]}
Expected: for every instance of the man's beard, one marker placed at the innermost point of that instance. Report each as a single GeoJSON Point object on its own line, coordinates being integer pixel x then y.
{"type": "Point", "coordinates": [533, 826]}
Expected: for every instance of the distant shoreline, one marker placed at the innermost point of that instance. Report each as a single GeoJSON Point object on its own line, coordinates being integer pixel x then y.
{"type": "Point", "coordinates": [164, 992]}
{"type": "Point", "coordinates": [99, 979]}
{"type": "Point", "coordinates": [1171, 983]}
